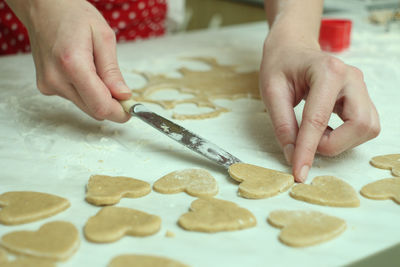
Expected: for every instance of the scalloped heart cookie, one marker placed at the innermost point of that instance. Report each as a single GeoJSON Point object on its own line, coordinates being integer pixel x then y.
{"type": "Point", "coordinates": [56, 240]}
{"type": "Point", "coordinates": [143, 261]}
{"type": "Point", "coordinates": [27, 262]}
{"type": "Point", "coordinates": [326, 191]}
{"type": "Point", "coordinates": [215, 215]}
{"type": "Point", "coordinates": [259, 182]}
{"type": "Point", "coordinates": [108, 190]}
{"type": "Point", "coordinates": [387, 162]}
{"type": "Point", "coordinates": [305, 228]}
{"type": "Point", "coordinates": [112, 223]}
{"type": "Point", "coordinates": [195, 182]}
{"type": "Point", "coordinates": [20, 207]}
{"type": "Point", "coordinates": [388, 188]}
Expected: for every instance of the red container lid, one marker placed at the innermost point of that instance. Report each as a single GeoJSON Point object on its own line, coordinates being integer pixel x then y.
{"type": "Point", "coordinates": [334, 34]}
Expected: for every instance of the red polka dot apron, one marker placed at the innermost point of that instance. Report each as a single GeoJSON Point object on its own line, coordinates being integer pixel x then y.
{"type": "Point", "coordinates": [130, 20]}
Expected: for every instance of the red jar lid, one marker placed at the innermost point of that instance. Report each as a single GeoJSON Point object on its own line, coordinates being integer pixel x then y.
{"type": "Point", "coordinates": [334, 34]}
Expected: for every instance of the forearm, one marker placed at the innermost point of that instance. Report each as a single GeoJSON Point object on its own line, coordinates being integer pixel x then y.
{"type": "Point", "coordinates": [294, 20]}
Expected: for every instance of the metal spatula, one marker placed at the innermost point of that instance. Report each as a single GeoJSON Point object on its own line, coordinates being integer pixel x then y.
{"type": "Point", "coordinates": [180, 134]}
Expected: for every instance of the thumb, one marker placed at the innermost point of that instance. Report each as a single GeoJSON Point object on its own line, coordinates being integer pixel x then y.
{"type": "Point", "coordinates": [105, 57]}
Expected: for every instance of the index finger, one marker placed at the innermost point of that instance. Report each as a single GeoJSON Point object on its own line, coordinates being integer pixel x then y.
{"type": "Point", "coordinates": [324, 89]}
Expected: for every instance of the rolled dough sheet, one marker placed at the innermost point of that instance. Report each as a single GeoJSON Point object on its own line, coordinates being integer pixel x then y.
{"type": "Point", "coordinates": [129, 260]}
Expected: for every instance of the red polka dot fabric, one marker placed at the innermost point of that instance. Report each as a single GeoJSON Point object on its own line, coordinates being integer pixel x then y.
{"type": "Point", "coordinates": [130, 20]}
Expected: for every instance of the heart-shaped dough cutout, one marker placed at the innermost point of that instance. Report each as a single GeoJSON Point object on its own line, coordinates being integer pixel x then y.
{"type": "Point", "coordinates": [143, 261]}
{"type": "Point", "coordinates": [305, 228]}
{"type": "Point", "coordinates": [326, 191]}
{"type": "Point", "coordinates": [112, 223]}
{"type": "Point", "coordinates": [24, 206]}
{"type": "Point", "coordinates": [388, 188]}
{"type": "Point", "coordinates": [215, 215]}
{"type": "Point", "coordinates": [259, 182]}
{"type": "Point", "coordinates": [195, 182]}
{"type": "Point", "coordinates": [54, 241]}
{"type": "Point", "coordinates": [387, 162]}
{"type": "Point", "coordinates": [108, 190]}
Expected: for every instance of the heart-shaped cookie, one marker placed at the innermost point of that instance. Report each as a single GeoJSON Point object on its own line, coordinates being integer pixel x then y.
{"type": "Point", "coordinates": [24, 206]}
{"type": "Point", "coordinates": [305, 228]}
{"type": "Point", "coordinates": [215, 215]}
{"type": "Point", "coordinates": [387, 162]}
{"type": "Point", "coordinates": [259, 182]}
{"type": "Point", "coordinates": [327, 191]}
{"type": "Point", "coordinates": [112, 223]}
{"type": "Point", "coordinates": [107, 190]}
{"type": "Point", "coordinates": [54, 241]}
{"type": "Point", "coordinates": [195, 182]}
{"type": "Point", "coordinates": [143, 261]}
{"type": "Point", "coordinates": [388, 188]}
{"type": "Point", "coordinates": [27, 262]}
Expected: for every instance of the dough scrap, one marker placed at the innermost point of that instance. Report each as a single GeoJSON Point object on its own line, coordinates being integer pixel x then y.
{"type": "Point", "coordinates": [112, 223]}
{"type": "Point", "coordinates": [20, 207]}
{"type": "Point", "coordinates": [387, 162]}
{"type": "Point", "coordinates": [220, 82]}
{"type": "Point", "coordinates": [388, 188]}
{"type": "Point", "coordinates": [27, 262]}
{"type": "Point", "coordinates": [56, 241]}
{"type": "Point", "coordinates": [195, 182]}
{"type": "Point", "coordinates": [215, 215]}
{"type": "Point", "coordinates": [107, 190]}
{"type": "Point", "coordinates": [259, 182]}
{"type": "Point", "coordinates": [326, 191]}
{"type": "Point", "coordinates": [305, 228]}
{"type": "Point", "coordinates": [128, 260]}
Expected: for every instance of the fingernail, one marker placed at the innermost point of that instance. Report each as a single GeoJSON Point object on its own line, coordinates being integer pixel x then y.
{"type": "Point", "coordinates": [303, 173]}
{"type": "Point", "coordinates": [288, 152]}
{"type": "Point", "coordinates": [122, 87]}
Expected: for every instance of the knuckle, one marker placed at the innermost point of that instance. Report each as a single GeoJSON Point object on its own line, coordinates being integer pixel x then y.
{"type": "Point", "coordinates": [282, 129]}
{"type": "Point", "coordinates": [357, 73]}
{"type": "Point", "coordinates": [334, 65]}
{"type": "Point", "coordinates": [68, 61]}
{"type": "Point", "coordinates": [318, 121]}
{"type": "Point", "coordinates": [108, 35]}
{"type": "Point", "coordinates": [46, 85]}
{"type": "Point", "coordinates": [111, 70]}
{"type": "Point", "coordinates": [375, 130]}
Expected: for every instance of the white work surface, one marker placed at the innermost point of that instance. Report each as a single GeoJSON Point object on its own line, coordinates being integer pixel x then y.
{"type": "Point", "coordinates": [48, 145]}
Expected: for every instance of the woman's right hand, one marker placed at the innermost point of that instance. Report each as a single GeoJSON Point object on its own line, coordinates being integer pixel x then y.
{"type": "Point", "coordinates": [74, 51]}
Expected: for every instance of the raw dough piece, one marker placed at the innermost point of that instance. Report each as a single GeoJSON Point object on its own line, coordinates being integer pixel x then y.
{"type": "Point", "coordinates": [112, 223]}
{"type": "Point", "coordinates": [195, 182]}
{"type": "Point", "coordinates": [24, 206]}
{"type": "Point", "coordinates": [220, 82]}
{"type": "Point", "coordinates": [259, 182]}
{"type": "Point", "coordinates": [169, 234]}
{"type": "Point", "coordinates": [107, 190]}
{"type": "Point", "coordinates": [130, 260]}
{"type": "Point", "coordinates": [305, 228]}
{"type": "Point", "coordinates": [27, 262]}
{"type": "Point", "coordinates": [215, 215]}
{"type": "Point", "coordinates": [383, 189]}
{"type": "Point", "coordinates": [326, 191]}
{"type": "Point", "coordinates": [54, 241]}
{"type": "Point", "coordinates": [387, 162]}
{"type": "Point", "coordinates": [3, 255]}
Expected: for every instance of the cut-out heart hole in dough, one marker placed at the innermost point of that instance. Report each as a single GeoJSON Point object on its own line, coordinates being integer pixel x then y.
{"type": "Point", "coordinates": [107, 190]}
{"type": "Point", "coordinates": [24, 206]}
{"type": "Point", "coordinates": [112, 223]}
{"type": "Point", "coordinates": [327, 191]}
{"type": "Point", "coordinates": [143, 261]}
{"type": "Point", "coordinates": [387, 162]}
{"type": "Point", "coordinates": [195, 182]}
{"type": "Point", "coordinates": [305, 228]}
{"type": "Point", "coordinates": [215, 215]}
{"type": "Point", "coordinates": [388, 188]}
{"type": "Point", "coordinates": [259, 182]}
{"type": "Point", "coordinates": [54, 241]}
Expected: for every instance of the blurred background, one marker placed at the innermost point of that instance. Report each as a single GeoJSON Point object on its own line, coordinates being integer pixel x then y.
{"type": "Point", "coordinates": [187, 15]}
